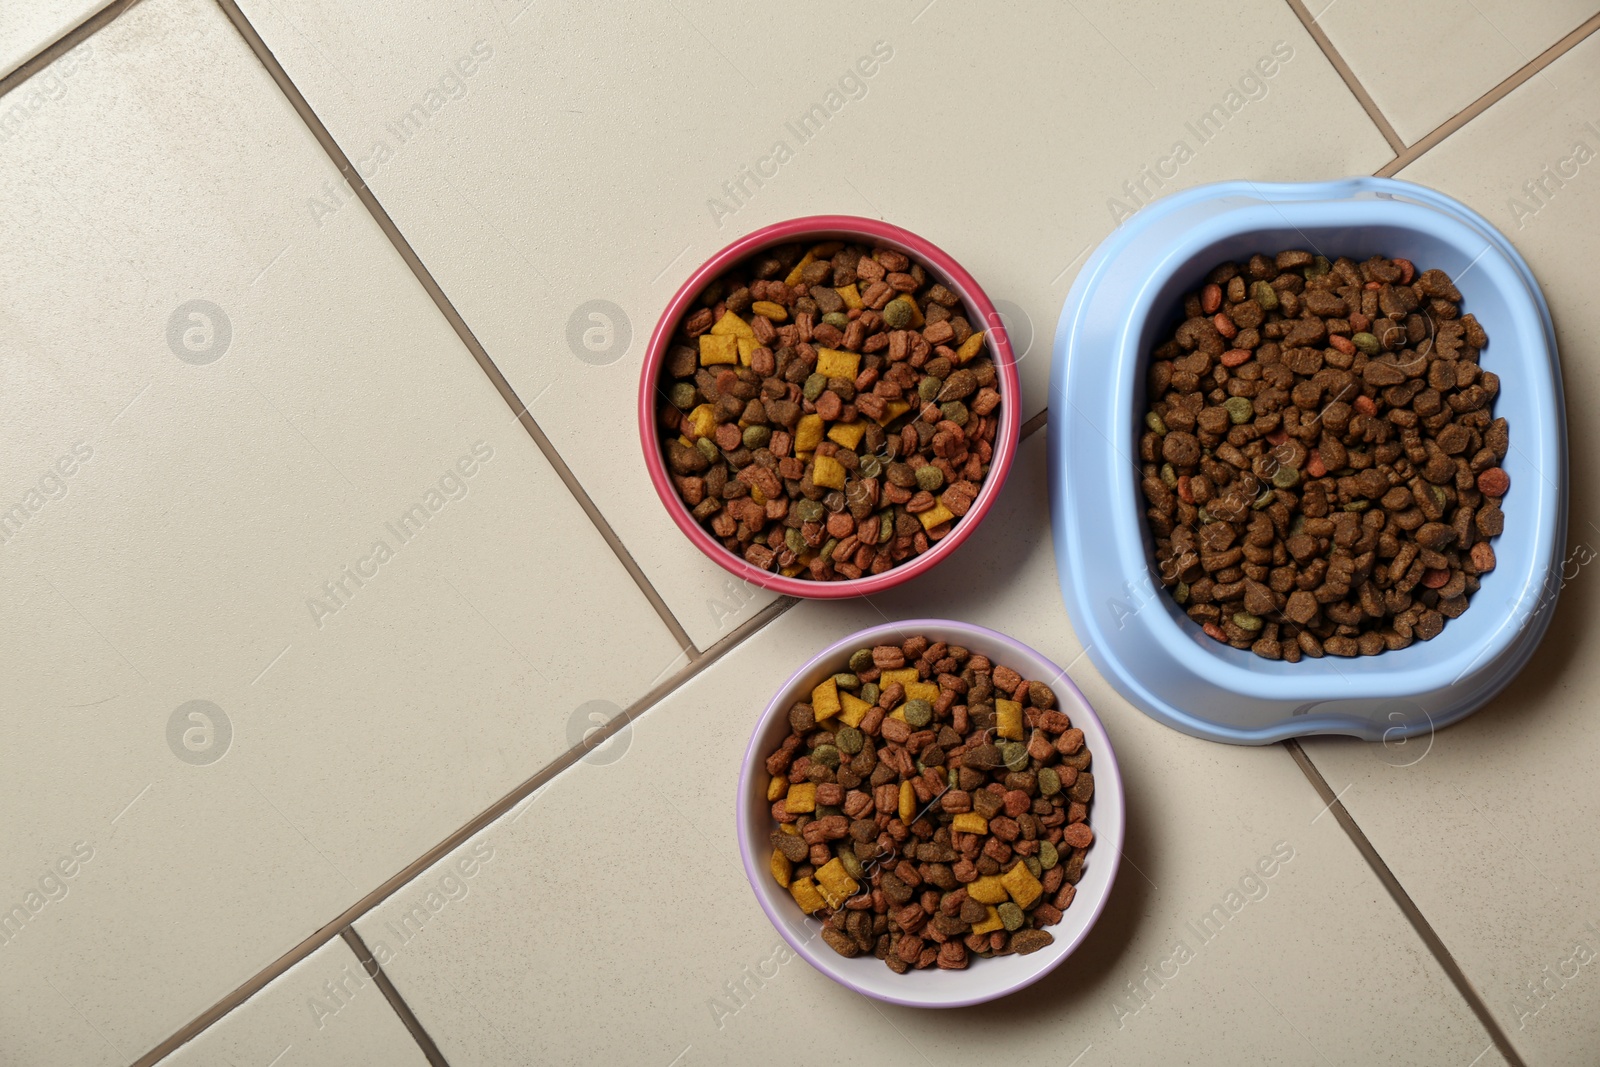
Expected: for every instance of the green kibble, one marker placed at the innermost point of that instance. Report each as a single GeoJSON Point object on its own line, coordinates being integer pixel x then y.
{"type": "Point", "coordinates": [794, 541]}
{"type": "Point", "coordinates": [814, 386]}
{"type": "Point", "coordinates": [1035, 868]}
{"type": "Point", "coordinates": [1048, 856]}
{"type": "Point", "coordinates": [930, 478]}
{"type": "Point", "coordinates": [827, 755]}
{"type": "Point", "coordinates": [1204, 515]}
{"type": "Point", "coordinates": [1297, 526]}
{"type": "Point", "coordinates": [929, 388]}
{"type": "Point", "coordinates": [870, 692]}
{"type": "Point", "coordinates": [1358, 505]}
{"type": "Point", "coordinates": [1264, 294]}
{"type": "Point", "coordinates": [757, 436]}
{"type": "Point", "coordinates": [1011, 915]}
{"type": "Point", "coordinates": [837, 319]}
{"type": "Point", "coordinates": [849, 740]}
{"type": "Point", "coordinates": [810, 510]}
{"type": "Point", "coordinates": [1049, 782]}
{"type": "Point", "coordinates": [955, 411]}
{"type": "Point", "coordinates": [1285, 477]}
{"type": "Point", "coordinates": [826, 551]}
{"type": "Point", "coordinates": [885, 526]}
{"type": "Point", "coordinates": [1240, 409]}
{"type": "Point", "coordinates": [825, 810]}
{"type": "Point", "coordinates": [1366, 342]}
{"type": "Point", "coordinates": [1169, 477]}
{"type": "Point", "coordinates": [1441, 499]}
{"type": "Point", "coordinates": [898, 313]}
{"type": "Point", "coordinates": [682, 395]}
{"type": "Point", "coordinates": [708, 449]}
{"type": "Point", "coordinates": [848, 682]}
{"type": "Point", "coordinates": [1318, 266]}
{"type": "Point", "coordinates": [1266, 497]}
{"type": "Point", "coordinates": [1154, 421]}
{"type": "Point", "coordinates": [1014, 754]}
{"type": "Point", "coordinates": [852, 865]}
{"type": "Point", "coordinates": [861, 660]}
{"type": "Point", "coordinates": [1246, 621]}
{"type": "Point", "coordinates": [1180, 592]}
{"type": "Point", "coordinates": [918, 713]}
{"type": "Point", "coordinates": [954, 778]}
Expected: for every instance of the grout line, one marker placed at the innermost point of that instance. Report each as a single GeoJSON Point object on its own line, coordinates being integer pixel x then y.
{"type": "Point", "coordinates": [374, 970]}
{"type": "Point", "coordinates": [1490, 98]}
{"type": "Point", "coordinates": [1407, 906]}
{"type": "Point", "coordinates": [452, 316]}
{"type": "Point", "coordinates": [64, 44]}
{"type": "Point", "coordinates": [1032, 424]}
{"type": "Point", "coordinates": [336, 926]}
{"type": "Point", "coordinates": [1350, 80]}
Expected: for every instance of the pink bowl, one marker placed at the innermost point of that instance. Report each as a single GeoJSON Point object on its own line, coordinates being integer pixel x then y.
{"type": "Point", "coordinates": [822, 228]}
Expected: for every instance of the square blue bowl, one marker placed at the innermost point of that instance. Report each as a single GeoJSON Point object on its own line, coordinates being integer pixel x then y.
{"type": "Point", "coordinates": [1127, 300]}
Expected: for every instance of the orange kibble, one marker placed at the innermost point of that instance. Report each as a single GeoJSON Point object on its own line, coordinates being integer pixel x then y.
{"type": "Point", "coordinates": [1211, 298]}
{"type": "Point", "coordinates": [1343, 344]}
{"type": "Point", "coordinates": [1365, 405]}
{"type": "Point", "coordinates": [1494, 482]}
{"type": "Point", "coordinates": [1213, 630]}
{"type": "Point", "coordinates": [1224, 325]}
{"type": "Point", "coordinates": [1407, 271]}
{"type": "Point", "coordinates": [1233, 357]}
{"type": "Point", "coordinates": [1374, 286]}
{"type": "Point", "coordinates": [1277, 437]}
{"type": "Point", "coordinates": [1314, 465]}
{"type": "Point", "coordinates": [1184, 492]}
{"type": "Point", "coordinates": [1435, 579]}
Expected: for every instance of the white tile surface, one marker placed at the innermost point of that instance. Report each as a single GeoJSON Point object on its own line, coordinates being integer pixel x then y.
{"type": "Point", "coordinates": [324, 1010]}
{"type": "Point", "coordinates": [1424, 60]}
{"type": "Point", "coordinates": [26, 29]}
{"type": "Point", "coordinates": [580, 157]}
{"type": "Point", "coordinates": [1489, 829]}
{"type": "Point", "coordinates": [176, 556]}
{"type": "Point", "coordinates": [607, 919]}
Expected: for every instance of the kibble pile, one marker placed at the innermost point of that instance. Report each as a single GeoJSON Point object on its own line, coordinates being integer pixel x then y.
{"type": "Point", "coordinates": [931, 805]}
{"type": "Point", "coordinates": [828, 410]}
{"type": "Point", "coordinates": [1320, 459]}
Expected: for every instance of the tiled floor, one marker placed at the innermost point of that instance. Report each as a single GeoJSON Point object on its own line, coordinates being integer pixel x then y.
{"type": "Point", "coordinates": [246, 729]}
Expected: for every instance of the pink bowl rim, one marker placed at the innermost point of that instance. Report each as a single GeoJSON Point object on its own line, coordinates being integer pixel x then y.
{"type": "Point", "coordinates": [823, 227]}
{"type": "Point", "coordinates": [1110, 824]}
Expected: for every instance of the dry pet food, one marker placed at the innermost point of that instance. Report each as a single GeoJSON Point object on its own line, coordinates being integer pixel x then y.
{"type": "Point", "coordinates": [931, 806]}
{"type": "Point", "coordinates": [1320, 460]}
{"type": "Point", "coordinates": [828, 411]}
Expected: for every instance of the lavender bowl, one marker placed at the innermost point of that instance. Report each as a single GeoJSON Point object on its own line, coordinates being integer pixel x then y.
{"type": "Point", "coordinates": [983, 979]}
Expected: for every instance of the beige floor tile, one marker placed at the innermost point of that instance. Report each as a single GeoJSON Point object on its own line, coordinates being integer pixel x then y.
{"type": "Point", "coordinates": [1489, 829]}
{"type": "Point", "coordinates": [26, 29]}
{"type": "Point", "coordinates": [324, 1010]}
{"type": "Point", "coordinates": [584, 158]}
{"type": "Point", "coordinates": [168, 525]}
{"type": "Point", "coordinates": [607, 918]}
{"type": "Point", "coordinates": [1425, 60]}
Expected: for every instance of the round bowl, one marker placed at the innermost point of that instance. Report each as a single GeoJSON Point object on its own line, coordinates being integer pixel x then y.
{"type": "Point", "coordinates": [823, 228]}
{"type": "Point", "coordinates": [983, 979]}
{"type": "Point", "coordinates": [1127, 299]}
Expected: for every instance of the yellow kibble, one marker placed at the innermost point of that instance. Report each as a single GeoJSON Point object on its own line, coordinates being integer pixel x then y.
{"type": "Point", "coordinates": [833, 363]}
{"type": "Point", "coordinates": [781, 868]}
{"type": "Point", "coordinates": [731, 325]}
{"type": "Point", "coordinates": [1008, 719]}
{"type": "Point", "coordinates": [757, 495]}
{"type": "Point", "coordinates": [893, 410]}
{"type": "Point", "coordinates": [970, 822]}
{"type": "Point", "coordinates": [904, 675]}
{"type": "Point", "coordinates": [825, 700]}
{"type": "Point", "coordinates": [808, 434]}
{"type": "Point", "coordinates": [792, 829]}
{"type": "Point", "coordinates": [836, 884]}
{"type": "Point", "coordinates": [747, 347]}
{"type": "Point", "coordinates": [792, 569]}
{"type": "Point", "coordinates": [829, 472]}
{"type": "Point", "coordinates": [908, 802]}
{"type": "Point", "coordinates": [935, 515]}
{"type": "Point", "coordinates": [989, 889]}
{"type": "Point", "coordinates": [715, 349]}
{"type": "Point", "coordinates": [702, 420]}
{"type": "Point", "coordinates": [917, 321]}
{"type": "Point", "coordinates": [768, 309]}
{"type": "Point", "coordinates": [1024, 888]}
{"type": "Point", "coordinates": [799, 269]}
{"type": "Point", "coordinates": [990, 924]}
{"type": "Point", "coordinates": [847, 434]}
{"type": "Point", "coordinates": [801, 799]}
{"type": "Point", "coordinates": [928, 691]}
{"type": "Point", "coordinates": [855, 709]}
{"type": "Point", "coordinates": [850, 295]}
{"type": "Point", "coordinates": [899, 713]}
{"type": "Point", "coordinates": [805, 894]}
{"type": "Point", "coordinates": [970, 347]}
{"type": "Point", "coordinates": [776, 788]}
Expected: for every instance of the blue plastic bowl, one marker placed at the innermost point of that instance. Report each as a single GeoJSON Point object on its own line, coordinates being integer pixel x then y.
{"type": "Point", "coordinates": [1127, 300]}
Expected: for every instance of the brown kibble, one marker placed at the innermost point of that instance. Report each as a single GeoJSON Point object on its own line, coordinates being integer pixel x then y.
{"type": "Point", "coordinates": [1024, 942]}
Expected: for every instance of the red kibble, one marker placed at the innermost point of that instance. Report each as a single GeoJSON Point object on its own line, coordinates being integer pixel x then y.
{"type": "Point", "coordinates": [1494, 482]}
{"type": "Point", "coordinates": [1436, 579]}
{"type": "Point", "coordinates": [1314, 465]}
{"type": "Point", "coordinates": [1343, 344]}
{"type": "Point", "coordinates": [1224, 325]}
{"type": "Point", "coordinates": [1233, 357]}
{"type": "Point", "coordinates": [1211, 298]}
